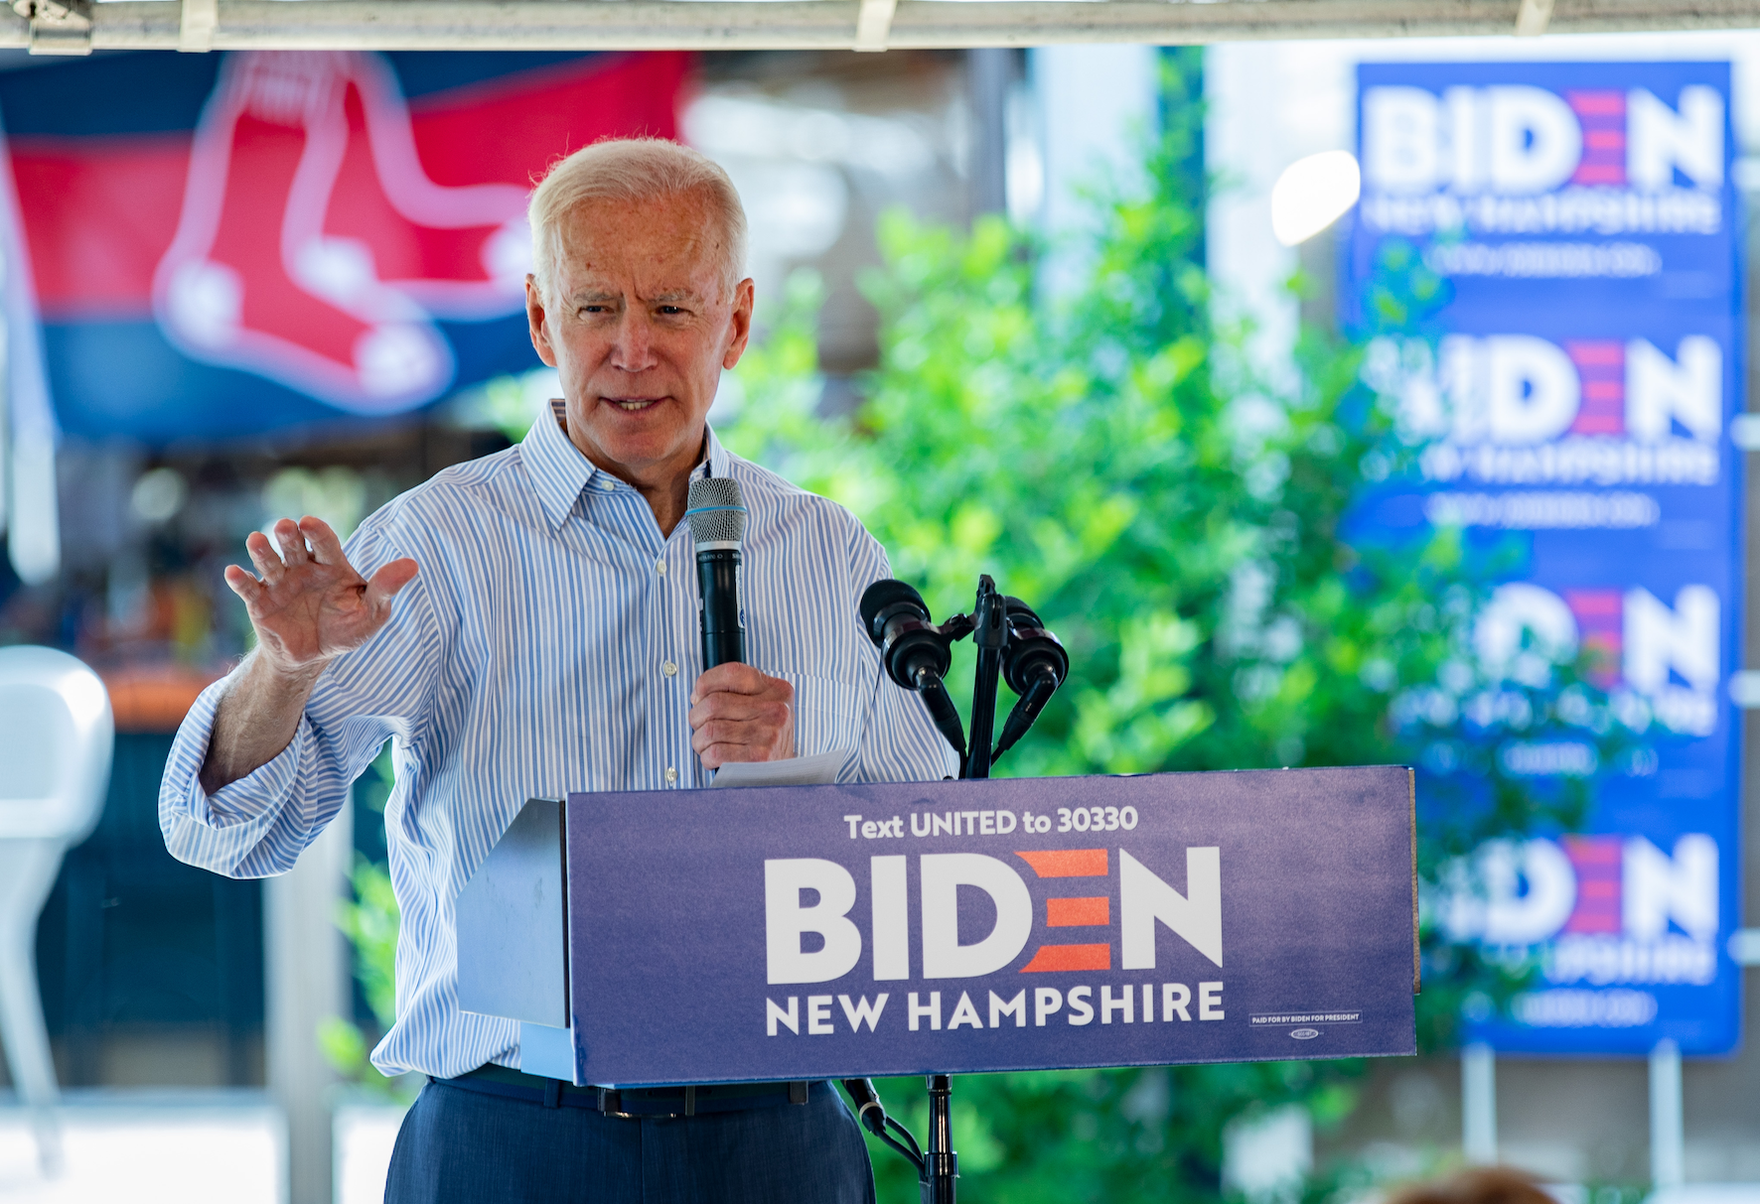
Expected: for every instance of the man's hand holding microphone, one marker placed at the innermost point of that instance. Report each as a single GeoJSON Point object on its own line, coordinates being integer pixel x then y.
{"type": "Point", "coordinates": [737, 712]}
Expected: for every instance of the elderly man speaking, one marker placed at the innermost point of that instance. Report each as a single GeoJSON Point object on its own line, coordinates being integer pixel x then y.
{"type": "Point", "coordinates": [525, 625]}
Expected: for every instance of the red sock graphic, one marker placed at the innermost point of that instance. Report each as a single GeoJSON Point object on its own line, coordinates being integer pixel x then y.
{"type": "Point", "coordinates": [313, 249]}
{"type": "Point", "coordinates": [462, 252]}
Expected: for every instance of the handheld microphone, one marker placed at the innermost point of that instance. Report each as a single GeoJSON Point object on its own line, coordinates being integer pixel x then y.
{"type": "Point", "coordinates": [717, 515]}
{"type": "Point", "coordinates": [1034, 664]}
{"type": "Point", "coordinates": [915, 652]}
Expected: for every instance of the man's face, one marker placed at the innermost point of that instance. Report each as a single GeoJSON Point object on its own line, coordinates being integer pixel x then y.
{"type": "Point", "coordinates": [639, 321]}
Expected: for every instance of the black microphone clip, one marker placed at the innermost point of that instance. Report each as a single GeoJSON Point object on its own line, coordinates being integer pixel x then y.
{"type": "Point", "coordinates": [1034, 664]}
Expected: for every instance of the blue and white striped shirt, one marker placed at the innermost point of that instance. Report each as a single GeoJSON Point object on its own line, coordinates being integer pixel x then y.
{"type": "Point", "coordinates": [548, 645]}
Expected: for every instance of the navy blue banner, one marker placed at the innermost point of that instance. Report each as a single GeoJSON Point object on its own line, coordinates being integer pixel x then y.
{"type": "Point", "coordinates": [811, 932]}
{"type": "Point", "coordinates": [1576, 392]}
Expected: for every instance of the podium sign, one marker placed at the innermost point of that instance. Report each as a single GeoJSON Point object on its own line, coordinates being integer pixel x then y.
{"type": "Point", "coordinates": [834, 931]}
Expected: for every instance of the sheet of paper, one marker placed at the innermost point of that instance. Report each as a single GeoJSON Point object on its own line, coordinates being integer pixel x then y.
{"type": "Point", "coordinates": [821, 769]}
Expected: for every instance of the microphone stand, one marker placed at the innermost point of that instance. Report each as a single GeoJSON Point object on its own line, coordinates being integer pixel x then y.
{"type": "Point", "coordinates": [991, 630]}
{"type": "Point", "coordinates": [990, 634]}
{"type": "Point", "coordinates": [940, 1163]}
{"type": "Point", "coordinates": [940, 1170]}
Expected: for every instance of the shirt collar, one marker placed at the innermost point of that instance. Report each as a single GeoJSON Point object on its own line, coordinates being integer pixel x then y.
{"type": "Point", "coordinates": [560, 473]}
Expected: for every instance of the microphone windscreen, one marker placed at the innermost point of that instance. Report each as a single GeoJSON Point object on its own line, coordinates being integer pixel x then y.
{"type": "Point", "coordinates": [1020, 614]}
{"type": "Point", "coordinates": [886, 593]}
{"type": "Point", "coordinates": [716, 511]}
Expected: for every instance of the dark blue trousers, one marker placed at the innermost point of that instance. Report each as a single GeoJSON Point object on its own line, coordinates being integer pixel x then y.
{"type": "Point", "coordinates": [466, 1147]}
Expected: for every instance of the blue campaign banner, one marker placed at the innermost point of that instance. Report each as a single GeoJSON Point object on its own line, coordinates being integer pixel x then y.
{"type": "Point", "coordinates": [833, 931]}
{"type": "Point", "coordinates": [1576, 392]}
{"type": "Point", "coordinates": [1526, 182]}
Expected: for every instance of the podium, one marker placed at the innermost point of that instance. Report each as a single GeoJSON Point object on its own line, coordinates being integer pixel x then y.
{"type": "Point", "coordinates": [812, 932]}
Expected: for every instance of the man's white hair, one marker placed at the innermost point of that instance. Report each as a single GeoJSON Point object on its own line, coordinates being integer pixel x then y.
{"type": "Point", "coordinates": [633, 169]}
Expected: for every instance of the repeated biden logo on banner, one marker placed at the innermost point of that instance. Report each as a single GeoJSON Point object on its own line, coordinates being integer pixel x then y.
{"type": "Point", "coordinates": [1549, 174]}
{"type": "Point", "coordinates": [1611, 918]}
{"type": "Point", "coordinates": [1571, 392]}
{"type": "Point", "coordinates": [1661, 660]}
{"type": "Point", "coordinates": [1526, 159]}
{"type": "Point", "coordinates": [1519, 409]}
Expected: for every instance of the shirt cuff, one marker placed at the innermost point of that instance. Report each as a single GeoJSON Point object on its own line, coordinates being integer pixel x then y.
{"type": "Point", "coordinates": [258, 792]}
{"type": "Point", "coordinates": [218, 831]}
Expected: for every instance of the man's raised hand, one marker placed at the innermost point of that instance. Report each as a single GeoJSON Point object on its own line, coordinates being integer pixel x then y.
{"type": "Point", "coordinates": [309, 605]}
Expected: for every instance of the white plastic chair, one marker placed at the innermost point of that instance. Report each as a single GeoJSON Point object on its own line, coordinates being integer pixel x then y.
{"type": "Point", "coordinates": [56, 739]}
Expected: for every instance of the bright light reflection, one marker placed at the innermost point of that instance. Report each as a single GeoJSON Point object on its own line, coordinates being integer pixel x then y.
{"type": "Point", "coordinates": [1312, 193]}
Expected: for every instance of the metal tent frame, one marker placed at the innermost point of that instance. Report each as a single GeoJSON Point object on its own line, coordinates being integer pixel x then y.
{"type": "Point", "coordinates": [80, 26]}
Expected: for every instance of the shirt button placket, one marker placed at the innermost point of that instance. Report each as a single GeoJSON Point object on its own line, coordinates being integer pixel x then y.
{"type": "Point", "coordinates": [677, 706]}
{"type": "Point", "coordinates": [680, 622]}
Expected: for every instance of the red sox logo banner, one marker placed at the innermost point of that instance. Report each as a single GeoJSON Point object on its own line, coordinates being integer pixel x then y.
{"type": "Point", "coordinates": [253, 240]}
{"type": "Point", "coordinates": [338, 299]}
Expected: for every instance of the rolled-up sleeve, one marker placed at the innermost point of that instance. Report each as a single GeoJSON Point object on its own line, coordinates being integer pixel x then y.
{"type": "Point", "coordinates": [259, 824]}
